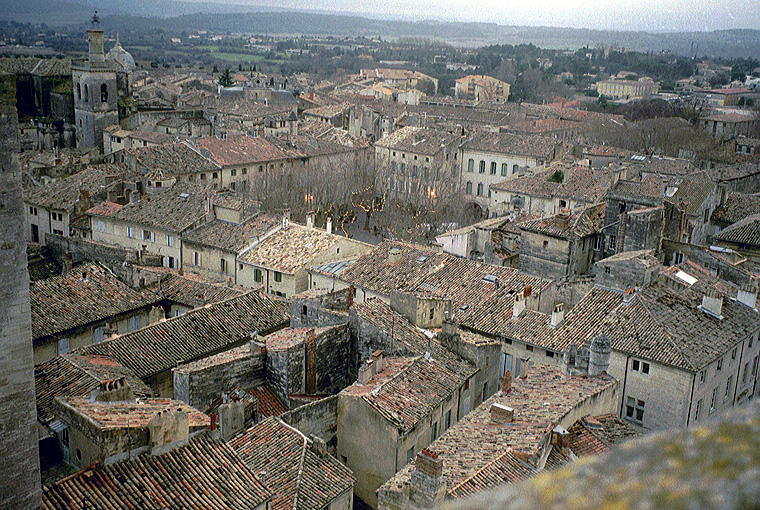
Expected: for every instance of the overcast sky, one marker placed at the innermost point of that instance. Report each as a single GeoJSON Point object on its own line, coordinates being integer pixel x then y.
{"type": "Point", "coordinates": [649, 15]}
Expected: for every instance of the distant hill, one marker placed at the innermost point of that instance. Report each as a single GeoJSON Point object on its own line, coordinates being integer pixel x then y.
{"type": "Point", "coordinates": [177, 16]}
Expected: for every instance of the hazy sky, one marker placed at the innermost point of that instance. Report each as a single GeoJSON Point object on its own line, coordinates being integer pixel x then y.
{"type": "Point", "coordinates": [649, 15]}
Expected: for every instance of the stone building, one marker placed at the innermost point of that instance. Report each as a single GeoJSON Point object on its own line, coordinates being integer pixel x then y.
{"type": "Point", "coordinates": [395, 409]}
{"type": "Point", "coordinates": [643, 88]}
{"type": "Point", "coordinates": [482, 88]}
{"type": "Point", "coordinates": [19, 468]}
{"type": "Point", "coordinates": [563, 246]}
{"type": "Point", "coordinates": [742, 237]}
{"type": "Point", "coordinates": [687, 212]}
{"type": "Point", "coordinates": [522, 430]}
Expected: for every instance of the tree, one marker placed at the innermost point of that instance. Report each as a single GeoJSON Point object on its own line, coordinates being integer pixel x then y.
{"type": "Point", "coordinates": [225, 79]}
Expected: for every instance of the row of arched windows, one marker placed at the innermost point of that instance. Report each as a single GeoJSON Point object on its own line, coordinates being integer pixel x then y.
{"type": "Point", "coordinates": [468, 189]}
{"type": "Point", "coordinates": [103, 93]}
{"type": "Point", "coordinates": [482, 167]}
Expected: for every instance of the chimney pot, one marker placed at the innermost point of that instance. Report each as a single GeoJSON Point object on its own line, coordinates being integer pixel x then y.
{"type": "Point", "coordinates": [712, 303]}
{"type": "Point", "coordinates": [747, 295]}
{"type": "Point", "coordinates": [599, 355]}
{"type": "Point", "coordinates": [558, 315]}
{"type": "Point", "coordinates": [377, 360]}
{"type": "Point", "coordinates": [506, 382]}
{"type": "Point", "coordinates": [519, 306]}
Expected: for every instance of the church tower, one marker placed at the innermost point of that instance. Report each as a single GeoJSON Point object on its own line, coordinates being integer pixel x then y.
{"type": "Point", "coordinates": [95, 93]}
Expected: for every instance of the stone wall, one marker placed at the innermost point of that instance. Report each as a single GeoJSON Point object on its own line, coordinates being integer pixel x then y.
{"type": "Point", "coordinates": [327, 309]}
{"type": "Point", "coordinates": [335, 360]}
{"type": "Point", "coordinates": [20, 462]}
{"type": "Point", "coordinates": [621, 275]}
{"type": "Point", "coordinates": [318, 418]}
{"type": "Point", "coordinates": [197, 384]}
{"type": "Point", "coordinates": [285, 370]}
{"type": "Point", "coordinates": [551, 261]}
{"type": "Point", "coordinates": [572, 292]}
{"type": "Point", "coordinates": [643, 229]}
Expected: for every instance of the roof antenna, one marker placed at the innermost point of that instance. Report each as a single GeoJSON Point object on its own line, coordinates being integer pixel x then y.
{"type": "Point", "coordinates": [95, 20]}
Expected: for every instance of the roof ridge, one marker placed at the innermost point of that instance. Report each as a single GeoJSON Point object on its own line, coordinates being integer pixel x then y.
{"type": "Point", "coordinates": [496, 459]}
{"type": "Point", "coordinates": [299, 475]}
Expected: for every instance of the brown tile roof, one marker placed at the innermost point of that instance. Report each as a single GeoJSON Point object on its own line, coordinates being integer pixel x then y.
{"type": "Point", "coordinates": [506, 143]}
{"type": "Point", "coordinates": [736, 207]}
{"type": "Point", "coordinates": [174, 209]}
{"type": "Point", "coordinates": [174, 159]}
{"type": "Point", "coordinates": [239, 150]}
{"type": "Point", "coordinates": [300, 477]}
{"type": "Point", "coordinates": [202, 474]}
{"type": "Point", "coordinates": [131, 413]}
{"type": "Point", "coordinates": [581, 222]}
{"type": "Point", "coordinates": [692, 193]}
{"type": "Point", "coordinates": [185, 290]}
{"type": "Point", "coordinates": [507, 468]}
{"type": "Point", "coordinates": [231, 237]}
{"type": "Point", "coordinates": [76, 375]}
{"type": "Point", "coordinates": [63, 194]}
{"type": "Point", "coordinates": [743, 232]}
{"type": "Point", "coordinates": [267, 401]}
{"type": "Point", "coordinates": [537, 185]}
{"type": "Point", "coordinates": [419, 140]}
{"type": "Point", "coordinates": [291, 249]}
{"type": "Point", "coordinates": [84, 295]}
{"type": "Point", "coordinates": [196, 334]}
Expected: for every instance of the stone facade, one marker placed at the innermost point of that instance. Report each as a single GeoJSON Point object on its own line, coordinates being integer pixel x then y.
{"type": "Point", "coordinates": [20, 467]}
{"type": "Point", "coordinates": [318, 418]}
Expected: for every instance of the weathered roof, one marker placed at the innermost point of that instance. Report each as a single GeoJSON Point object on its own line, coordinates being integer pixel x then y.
{"type": "Point", "coordinates": [231, 237]}
{"type": "Point", "coordinates": [302, 478]}
{"type": "Point", "coordinates": [202, 474]}
{"type": "Point", "coordinates": [509, 143]}
{"type": "Point", "coordinates": [173, 209]}
{"type": "Point", "coordinates": [135, 413]}
{"type": "Point", "coordinates": [188, 291]}
{"type": "Point", "coordinates": [418, 140]}
{"type": "Point", "coordinates": [537, 185]}
{"type": "Point", "coordinates": [744, 232]}
{"type": "Point", "coordinates": [63, 194]}
{"type": "Point", "coordinates": [76, 375]}
{"type": "Point", "coordinates": [196, 334]}
{"type": "Point", "coordinates": [239, 150]}
{"type": "Point", "coordinates": [84, 295]}
{"type": "Point", "coordinates": [173, 159]}
{"type": "Point", "coordinates": [692, 193]}
{"type": "Point", "coordinates": [579, 222]}
{"type": "Point", "coordinates": [736, 207]}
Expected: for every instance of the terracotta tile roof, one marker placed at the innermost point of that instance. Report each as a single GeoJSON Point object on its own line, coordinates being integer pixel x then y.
{"type": "Point", "coordinates": [131, 413]}
{"type": "Point", "coordinates": [650, 190]}
{"type": "Point", "coordinates": [506, 143]}
{"type": "Point", "coordinates": [537, 185]}
{"type": "Point", "coordinates": [692, 193]}
{"type": "Point", "coordinates": [291, 249]}
{"type": "Point", "coordinates": [743, 232]}
{"type": "Point", "coordinates": [478, 452]}
{"type": "Point", "coordinates": [231, 237]}
{"type": "Point", "coordinates": [419, 140]}
{"type": "Point", "coordinates": [736, 207]}
{"type": "Point", "coordinates": [174, 209]}
{"type": "Point", "coordinates": [239, 150]}
{"type": "Point", "coordinates": [202, 474]}
{"type": "Point", "coordinates": [267, 401]}
{"type": "Point", "coordinates": [196, 334]}
{"type": "Point", "coordinates": [63, 194]}
{"type": "Point", "coordinates": [75, 375]}
{"type": "Point", "coordinates": [185, 290]}
{"type": "Point", "coordinates": [173, 159]}
{"type": "Point", "coordinates": [581, 222]}
{"type": "Point", "coordinates": [84, 295]}
{"type": "Point", "coordinates": [328, 111]}
{"type": "Point", "coordinates": [583, 184]}
{"type": "Point", "coordinates": [301, 478]}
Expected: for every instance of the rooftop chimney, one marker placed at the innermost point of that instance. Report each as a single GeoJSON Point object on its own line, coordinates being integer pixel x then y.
{"type": "Point", "coordinates": [558, 314]}
{"type": "Point", "coordinates": [448, 326]}
{"type": "Point", "coordinates": [629, 295]}
{"type": "Point", "coordinates": [310, 219]}
{"type": "Point", "coordinates": [134, 196]}
{"type": "Point", "coordinates": [377, 361]}
{"type": "Point", "coordinates": [365, 372]}
{"type": "Point", "coordinates": [712, 303]}
{"type": "Point", "coordinates": [167, 429]}
{"type": "Point", "coordinates": [501, 413]}
{"type": "Point", "coordinates": [117, 390]}
{"type": "Point", "coordinates": [519, 306]}
{"type": "Point", "coordinates": [747, 295]}
{"type": "Point", "coordinates": [328, 226]}
{"type": "Point", "coordinates": [599, 356]}
{"type": "Point", "coordinates": [506, 382]}
{"type": "Point", "coordinates": [427, 484]}
{"type": "Point", "coordinates": [562, 219]}
{"type": "Point", "coordinates": [394, 256]}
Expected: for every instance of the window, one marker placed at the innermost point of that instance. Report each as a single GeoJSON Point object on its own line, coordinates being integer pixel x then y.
{"type": "Point", "coordinates": [480, 189]}
{"type": "Point", "coordinates": [32, 210]}
{"type": "Point", "coordinates": [223, 266]}
{"type": "Point", "coordinates": [712, 399]}
{"type": "Point", "coordinates": [86, 93]}
{"type": "Point", "coordinates": [79, 91]}
{"type": "Point", "coordinates": [57, 232]}
{"type": "Point", "coordinates": [529, 348]}
{"type": "Point", "coordinates": [414, 170]}
{"type": "Point", "coordinates": [393, 167]}
{"type": "Point", "coordinates": [63, 346]}
{"type": "Point", "coordinates": [493, 167]}
{"type": "Point", "coordinates": [702, 376]}
{"type": "Point", "coordinates": [640, 366]}
{"type": "Point", "coordinates": [104, 93]}
{"type": "Point", "coordinates": [733, 354]}
{"type": "Point", "coordinates": [482, 167]}
{"type": "Point", "coordinates": [583, 243]}
{"type": "Point", "coordinates": [148, 235]}
{"type": "Point", "coordinates": [277, 276]}
{"type": "Point", "coordinates": [257, 276]}
{"type": "Point", "coordinates": [131, 232]}
{"type": "Point", "coordinates": [170, 241]}
{"type": "Point", "coordinates": [468, 188]}
{"type": "Point", "coordinates": [233, 172]}
{"type": "Point", "coordinates": [697, 409]}
{"type": "Point", "coordinates": [719, 366]}
{"type": "Point", "coordinates": [677, 257]}
{"type": "Point", "coordinates": [432, 313]}
{"type": "Point", "coordinates": [504, 169]}
{"type": "Point", "coordinates": [203, 177]}
{"type": "Point", "coordinates": [598, 243]}
{"type": "Point", "coordinates": [728, 387]}
{"type": "Point", "coordinates": [245, 171]}
{"type": "Point", "coordinates": [634, 409]}
{"type": "Point", "coordinates": [65, 437]}
{"type": "Point", "coordinates": [171, 263]}
{"type": "Point", "coordinates": [434, 432]}
{"type": "Point", "coordinates": [745, 373]}
{"type": "Point", "coordinates": [546, 245]}
{"type": "Point", "coordinates": [707, 215]}
{"type": "Point", "coordinates": [549, 354]}
{"type": "Point", "coordinates": [515, 168]}
{"type": "Point", "coordinates": [197, 258]}
{"type": "Point", "coordinates": [448, 419]}
{"type": "Point", "coordinates": [410, 455]}
{"type": "Point", "coordinates": [613, 243]}
{"type": "Point", "coordinates": [215, 175]}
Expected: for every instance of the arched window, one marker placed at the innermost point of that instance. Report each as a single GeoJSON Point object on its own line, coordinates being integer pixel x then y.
{"type": "Point", "coordinates": [482, 168]}
{"type": "Point", "coordinates": [104, 93]}
{"type": "Point", "coordinates": [471, 165]}
{"type": "Point", "coordinates": [514, 168]}
{"type": "Point", "coordinates": [480, 189]}
{"type": "Point", "coordinates": [504, 169]}
{"type": "Point", "coordinates": [469, 187]}
{"type": "Point", "coordinates": [493, 167]}
{"type": "Point", "coordinates": [79, 91]}
{"type": "Point", "coordinates": [86, 93]}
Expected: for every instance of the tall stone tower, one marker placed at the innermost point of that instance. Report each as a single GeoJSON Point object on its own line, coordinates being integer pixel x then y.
{"type": "Point", "coordinates": [19, 462]}
{"type": "Point", "coordinates": [96, 98]}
